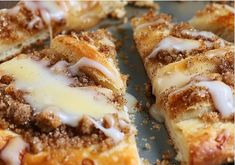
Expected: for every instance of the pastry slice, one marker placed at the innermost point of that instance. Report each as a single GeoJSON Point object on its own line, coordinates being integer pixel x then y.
{"type": "Point", "coordinates": [217, 18]}
{"type": "Point", "coordinates": [30, 21]}
{"type": "Point", "coordinates": [192, 78]}
{"type": "Point", "coordinates": [65, 105]}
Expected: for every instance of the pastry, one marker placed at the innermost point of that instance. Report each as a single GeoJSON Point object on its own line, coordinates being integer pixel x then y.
{"type": "Point", "coordinates": [217, 18]}
{"type": "Point", "coordinates": [30, 21]}
{"type": "Point", "coordinates": [192, 76]}
{"type": "Point", "coordinates": [65, 105]}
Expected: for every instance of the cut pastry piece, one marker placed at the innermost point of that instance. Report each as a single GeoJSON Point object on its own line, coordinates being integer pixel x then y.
{"type": "Point", "coordinates": [95, 55]}
{"type": "Point", "coordinates": [192, 78]}
{"type": "Point", "coordinates": [66, 107]}
{"type": "Point", "coordinates": [217, 18]}
{"type": "Point", "coordinates": [30, 21]}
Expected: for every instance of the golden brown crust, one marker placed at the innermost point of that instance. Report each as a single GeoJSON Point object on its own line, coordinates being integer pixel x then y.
{"type": "Point", "coordinates": [158, 31]}
{"type": "Point", "coordinates": [200, 133]}
{"type": "Point", "coordinates": [84, 144]}
{"type": "Point", "coordinates": [203, 143]}
{"type": "Point", "coordinates": [97, 46]}
{"type": "Point", "coordinates": [179, 103]}
{"type": "Point", "coordinates": [124, 153]}
{"type": "Point", "coordinates": [151, 29]}
{"type": "Point", "coordinates": [212, 148]}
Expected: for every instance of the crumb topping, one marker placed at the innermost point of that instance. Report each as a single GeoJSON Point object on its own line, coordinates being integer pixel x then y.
{"type": "Point", "coordinates": [165, 57]}
{"type": "Point", "coordinates": [45, 130]}
{"type": "Point", "coordinates": [206, 43]}
{"type": "Point", "coordinates": [186, 98]}
{"type": "Point", "coordinates": [6, 31]}
{"type": "Point", "coordinates": [178, 101]}
{"type": "Point", "coordinates": [180, 30]}
{"type": "Point", "coordinates": [18, 22]}
{"type": "Point", "coordinates": [225, 67]}
{"type": "Point", "coordinates": [101, 39]}
{"type": "Point", "coordinates": [151, 21]}
{"type": "Point", "coordinates": [210, 117]}
{"type": "Point", "coordinates": [183, 31]}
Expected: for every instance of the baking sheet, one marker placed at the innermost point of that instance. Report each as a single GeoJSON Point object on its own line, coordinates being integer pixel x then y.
{"type": "Point", "coordinates": [152, 140]}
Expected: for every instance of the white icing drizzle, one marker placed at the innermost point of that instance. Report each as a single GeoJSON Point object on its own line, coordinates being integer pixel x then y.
{"type": "Point", "coordinates": [49, 10]}
{"type": "Point", "coordinates": [170, 43]}
{"type": "Point", "coordinates": [195, 33]}
{"type": "Point", "coordinates": [11, 154]}
{"type": "Point", "coordinates": [222, 96]}
{"type": "Point", "coordinates": [86, 62]}
{"type": "Point", "coordinates": [131, 101]}
{"type": "Point", "coordinates": [156, 114]}
{"type": "Point", "coordinates": [109, 119]}
{"type": "Point", "coordinates": [46, 89]}
{"type": "Point", "coordinates": [215, 52]}
{"type": "Point", "coordinates": [207, 35]}
{"type": "Point", "coordinates": [60, 66]}
{"type": "Point", "coordinates": [123, 123]}
{"type": "Point", "coordinates": [112, 132]}
{"type": "Point", "coordinates": [208, 44]}
{"type": "Point", "coordinates": [147, 24]}
{"type": "Point", "coordinates": [124, 114]}
{"type": "Point", "coordinates": [107, 41]}
{"type": "Point", "coordinates": [34, 21]}
{"type": "Point", "coordinates": [221, 42]}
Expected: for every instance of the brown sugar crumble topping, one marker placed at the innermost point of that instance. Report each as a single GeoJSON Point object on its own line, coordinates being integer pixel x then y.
{"type": "Point", "coordinates": [22, 19]}
{"type": "Point", "coordinates": [165, 57]}
{"type": "Point", "coordinates": [225, 66]}
{"type": "Point", "coordinates": [19, 21]}
{"type": "Point", "coordinates": [210, 117]}
{"type": "Point", "coordinates": [45, 127]}
{"type": "Point", "coordinates": [45, 130]}
{"type": "Point", "coordinates": [178, 31]}
{"type": "Point", "coordinates": [102, 40]}
{"type": "Point", "coordinates": [185, 98]}
{"type": "Point", "coordinates": [7, 32]}
{"type": "Point", "coordinates": [178, 101]}
{"type": "Point", "coordinates": [169, 56]}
